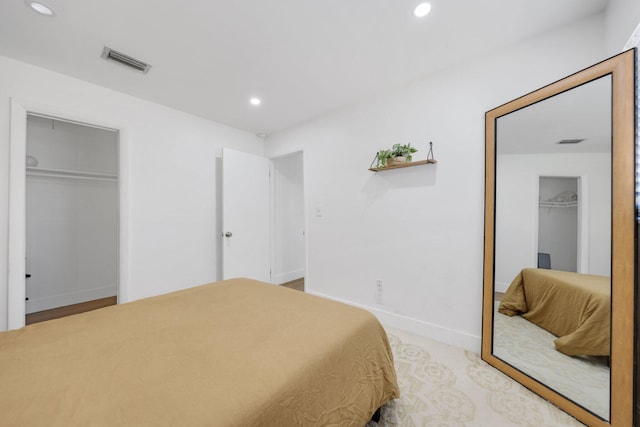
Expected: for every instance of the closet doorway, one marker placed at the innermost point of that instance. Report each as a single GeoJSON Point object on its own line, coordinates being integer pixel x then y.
{"type": "Point", "coordinates": [559, 223]}
{"type": "Point", "coordinates": [288, 226]}
{"type": "Point", "coordinates": [71, 214]}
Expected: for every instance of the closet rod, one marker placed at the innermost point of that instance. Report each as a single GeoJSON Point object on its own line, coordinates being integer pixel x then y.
{"type": "Point", "coordinates": [57, 173]}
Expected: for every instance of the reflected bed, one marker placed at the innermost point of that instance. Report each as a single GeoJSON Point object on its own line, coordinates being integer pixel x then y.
{"type": "Point", "coordinates": [574, 307]}
{"type": "Point", "coordinates": [232, 353]}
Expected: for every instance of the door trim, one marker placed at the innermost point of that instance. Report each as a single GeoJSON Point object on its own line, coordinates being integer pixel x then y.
{"type": "Point", "coordinates": [17, 185]}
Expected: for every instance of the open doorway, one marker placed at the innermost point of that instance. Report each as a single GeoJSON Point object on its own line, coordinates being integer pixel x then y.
{"type": "Point", "coordinates": [71, 218]}
{"type": "Point", "coordinates": [288, 229]}
{"type": "Point", "coordinates": [559, 223]}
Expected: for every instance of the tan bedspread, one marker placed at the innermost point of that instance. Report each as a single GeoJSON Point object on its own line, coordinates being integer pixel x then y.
{"type": "Point", "coordinates": [232, 353]}
{"type": "Point", "coordinates": [575, 307]}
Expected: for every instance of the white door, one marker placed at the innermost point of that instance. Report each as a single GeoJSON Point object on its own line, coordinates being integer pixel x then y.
{"type": "Point", "coordinates": [245, 216]}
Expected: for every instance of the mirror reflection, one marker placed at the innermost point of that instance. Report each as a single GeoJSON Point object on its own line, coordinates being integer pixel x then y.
{"type": "Point", "coordinates": [553, 243]}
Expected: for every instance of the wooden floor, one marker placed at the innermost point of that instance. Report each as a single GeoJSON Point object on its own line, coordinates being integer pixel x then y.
{"type": "Point", "coordinates": [68, 310]}
{"type": "Point", "coordinates": [297, 284]}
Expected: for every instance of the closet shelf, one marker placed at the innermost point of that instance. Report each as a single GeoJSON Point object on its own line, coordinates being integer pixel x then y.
{"type": "Point", "coordinates": [548, 204]}
{"type": "Point", "coordinates": [405, 165]}
{"type": "Point", "coordinates": [59, 173]}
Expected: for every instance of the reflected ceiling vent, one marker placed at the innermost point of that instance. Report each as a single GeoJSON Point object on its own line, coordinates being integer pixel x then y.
{"type": "Point", "coordinates": [121, 58]}
{"type": "Point", "coordinates": [570, 141]}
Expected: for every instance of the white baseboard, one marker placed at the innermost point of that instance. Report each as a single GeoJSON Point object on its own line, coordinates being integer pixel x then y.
{"type": "Point", "coordinates": [501, 287]}
{"type": "Point", "coordinates": [418, 327]}
{"type": "Point", "coordinates": [53, 301]}
{"type": "Point", "coordinates": [288, 276]}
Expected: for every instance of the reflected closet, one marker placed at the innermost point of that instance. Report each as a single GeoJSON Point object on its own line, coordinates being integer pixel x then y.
{"type": "Point", "coordinates": [558, 223]}
{"type": "Point", "coordinates": [71, 218]}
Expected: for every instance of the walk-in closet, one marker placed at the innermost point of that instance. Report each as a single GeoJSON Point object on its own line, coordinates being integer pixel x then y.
{"type": "Point", "coordinates": [72, 216]}
{"type": "Point", "coordinates": [558, 223]}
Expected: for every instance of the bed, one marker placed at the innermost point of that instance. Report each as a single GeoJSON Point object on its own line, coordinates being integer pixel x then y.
{"type": "Point", "coordinates": [574, 307]}
{"type": "Point", "coordinates": [231, 353]}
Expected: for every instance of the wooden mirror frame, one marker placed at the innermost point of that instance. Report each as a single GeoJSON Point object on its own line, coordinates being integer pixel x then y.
{"type": "Point", "coordinates": [623, 234]}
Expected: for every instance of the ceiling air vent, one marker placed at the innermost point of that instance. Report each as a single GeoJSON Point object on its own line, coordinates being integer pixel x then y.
{"type": "Point", "coordinates": [570, 141]}
{"type": "Point", "coordinates": [136, 64]}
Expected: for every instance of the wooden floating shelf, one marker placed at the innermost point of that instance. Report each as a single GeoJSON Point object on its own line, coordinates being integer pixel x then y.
{"type": "Point", "coordinates": [405, 165]}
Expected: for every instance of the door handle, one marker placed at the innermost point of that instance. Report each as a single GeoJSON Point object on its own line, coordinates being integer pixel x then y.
{"type": "Point", "coordinates": [228, 234]}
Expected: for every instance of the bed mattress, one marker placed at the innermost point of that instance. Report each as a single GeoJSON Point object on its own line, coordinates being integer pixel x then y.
{"type": "Point", "coordinates": [574, 307]}
{"type": "Point", "coordinates": [231, 353]}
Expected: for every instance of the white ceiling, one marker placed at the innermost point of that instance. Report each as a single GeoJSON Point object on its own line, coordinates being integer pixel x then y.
{"type": "Point", "coordinates": [302, 57]}
{"type": "Point", "coordinates": [583, 112]}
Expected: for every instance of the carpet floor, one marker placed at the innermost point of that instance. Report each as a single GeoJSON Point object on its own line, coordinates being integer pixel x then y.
{"type": "Point", "coordinates": [531, 349]}
{"type": "Point", "coordinates": [445, 386]}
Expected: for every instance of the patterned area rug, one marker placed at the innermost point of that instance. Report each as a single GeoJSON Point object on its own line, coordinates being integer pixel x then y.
{"type": "Point", "coordinates": [446, 386]}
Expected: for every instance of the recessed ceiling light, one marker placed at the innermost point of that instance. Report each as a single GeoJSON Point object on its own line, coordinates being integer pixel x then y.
{"type": "Point", "coordinates": [41, 8]}
{"type": "Point", "coordinates": [255, 101]}
{"type": "Point", "coordinates": [422, 10]}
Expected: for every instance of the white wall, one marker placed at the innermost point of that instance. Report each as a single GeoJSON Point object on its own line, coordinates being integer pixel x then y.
{"type": "Point", "coordinates": [288, 235]}
{"type": "Point", "coordinates": [72, 223]}
{"type": "Point", "coordinates": [420, 229]}
{"type": "Point", "coordinates": [517, 212]}
{"type": "Point", "coordinates": [72, 244]}
{"type": "Point", "coordinates": [171, 165]}
{"type": "Point", "coordinates": [621, 17]}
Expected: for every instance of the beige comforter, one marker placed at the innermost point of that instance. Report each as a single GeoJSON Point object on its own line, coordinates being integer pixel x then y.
{"type": "Point", "coordinates": [575, 307]}
{"type": "Point", "coordinates": [232, 353]}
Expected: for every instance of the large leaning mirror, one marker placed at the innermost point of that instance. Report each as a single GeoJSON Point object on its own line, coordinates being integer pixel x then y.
{"type": "Point", "coordinates": [559, 265]}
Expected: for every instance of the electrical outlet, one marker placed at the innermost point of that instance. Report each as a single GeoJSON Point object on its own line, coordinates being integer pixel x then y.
{"type": "Point", "coordinates": [378, 298]}
{"type": "Point", "coordinates": [379, 287]}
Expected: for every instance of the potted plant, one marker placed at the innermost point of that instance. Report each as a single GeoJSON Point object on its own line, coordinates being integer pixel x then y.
{"type": "Point", "coordinates": [383, 157]}
{"type": "Point", "coordinates": [401, 154]}
{"type": "Point", "coordinates": [398, 154]}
